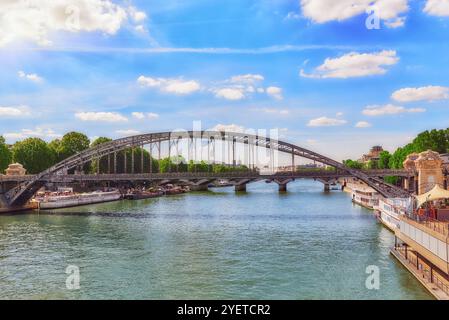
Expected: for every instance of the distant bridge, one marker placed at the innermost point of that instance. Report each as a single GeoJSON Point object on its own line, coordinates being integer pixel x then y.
{"type": "Point", "coordinates": [25, 187]}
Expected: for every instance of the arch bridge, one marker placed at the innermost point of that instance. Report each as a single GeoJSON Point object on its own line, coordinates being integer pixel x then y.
{"type": "Point", "coordinates": [227, 143]}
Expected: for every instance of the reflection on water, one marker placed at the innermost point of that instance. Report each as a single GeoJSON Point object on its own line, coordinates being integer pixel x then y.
{"type": "Point", "coordinates": [304, 244]}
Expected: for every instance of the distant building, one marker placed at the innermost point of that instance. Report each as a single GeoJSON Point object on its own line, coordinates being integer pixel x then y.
{"type": "Point", "coordinates": [15, 169]}
{"type": "Point", "coordinates": [372, 155]}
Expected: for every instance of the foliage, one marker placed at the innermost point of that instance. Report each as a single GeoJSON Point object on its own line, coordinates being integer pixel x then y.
{"type": "Point", "coordinates": [384, 160]}
{"type": "Point", "coordinates": [34, 154]}
{"type": "Point", "coordinates": [371, 164]}
{"type": "Point", "coordinates": [100, 165]}
{"type": "Point", "coordinates": [5, 155]}
{"type": "Point", "coordinates": [72, 143]}
{"type": "Point", "coordinates": [353, 164]}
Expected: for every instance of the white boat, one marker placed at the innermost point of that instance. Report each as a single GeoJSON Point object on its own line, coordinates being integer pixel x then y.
{"type": "Point", "coordinates": [364, 196]}
{"type": "Point", "coordinates": [389, 210]}
{"type": "Point", "coordinates": [55, 200]}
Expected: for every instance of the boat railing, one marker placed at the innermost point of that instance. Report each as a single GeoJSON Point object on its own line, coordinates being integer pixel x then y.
{"type": "Point", "coordinates": [441, 227]}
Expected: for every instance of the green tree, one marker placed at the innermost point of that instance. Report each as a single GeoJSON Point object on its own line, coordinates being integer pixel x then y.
{"type": "Point", "coordinates": [353, 164]}
{"type": "Point", "coordinates": [72, 143]}
{"type": "Point", "coordinates": [435, 140]}
{"type": "Point", "coordinates": [384, 160]}
{"type": "Point", "coordinates": [166, 165]}
{"type": "Point", "coordinates": [5, 155]}
{"type": "Point", "coordinates": [34, 154]}
{"type": "Point", "coordinates": [372, 164]}
{"type": "Point", "coordinates": [101, 165]}
{"type": "Point", "coordinates": [55, 147]}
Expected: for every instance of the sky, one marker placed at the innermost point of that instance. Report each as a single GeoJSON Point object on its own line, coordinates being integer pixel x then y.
{"type": "Point", "coordinates": [336, 77]}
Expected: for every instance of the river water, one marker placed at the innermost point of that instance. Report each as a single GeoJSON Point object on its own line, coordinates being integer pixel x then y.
{"type": "Point", "coordinates": [305, 244]}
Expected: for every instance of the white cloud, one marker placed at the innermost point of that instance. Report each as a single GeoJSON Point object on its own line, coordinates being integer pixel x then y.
{"type": "Point", "coordinates": [247, 78]}
{"type": "Point", "coordinates": [138, 115]}
{"type": "Point", "coordinates": [362, 124]}
{"type": "Point", "coordinates": [439, 8]}
{"type": "Point", "coordinates": [137, 15]}
{"type": "Point", "coordinates": [36, 20]}
{"type": "Point", "coordinates": [141, 115]}
{"type": "Point", "coordinates": [389, 109]}
{"type": "Point", "coordinates": [354, 65]}
{"type": "Point", "coordinates": [429, 93]}
{"type": "Point", "coordinates": [243, 86]}
{"type": "Point", "coordinates": [32, 77]}
{"type": "Point", "coordinates": [396, 23]}
{"type": "Point", "coordinates": [321, 11]}
{"type": "Point", "coordinates": [129, 132]}
{"type": "Point", "coordinates": [275, 92]}
{"type": "Point", "coordinates": [152, 115]}
{"type": "Point", "coordinates": [228, 128]}
{"type": "Point", "coordinates": [339, 114]}
{"type": "Point", "coordinates": [28, 133]}
{"type": "Point", "coordinates": [326, 122]}
{"type": "Point", "coordinates": [16, 112]}
{"type": "Point", "coordinates": [230, 93]}
{"type": "Point", "coordinates": [100, 116]}
{"type": "Point", "coordinates": [175, 86]}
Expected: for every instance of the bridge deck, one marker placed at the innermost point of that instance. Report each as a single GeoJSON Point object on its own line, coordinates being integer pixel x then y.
{"type": "Point", "coordinates": [317, 174]}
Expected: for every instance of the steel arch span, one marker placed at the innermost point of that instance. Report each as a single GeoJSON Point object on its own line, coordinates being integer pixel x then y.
{"type": "Point", "coordinates": [25, 191]}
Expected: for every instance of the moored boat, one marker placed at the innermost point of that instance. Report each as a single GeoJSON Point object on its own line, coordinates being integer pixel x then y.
{"type": "Point", "coordinates": [65, 199]}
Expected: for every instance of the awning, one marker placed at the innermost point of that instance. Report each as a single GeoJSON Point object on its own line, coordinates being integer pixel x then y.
{"type": "Point", "coordinates": [435, 194]}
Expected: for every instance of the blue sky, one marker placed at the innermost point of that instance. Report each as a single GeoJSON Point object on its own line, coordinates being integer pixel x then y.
{"type": "Point", "coordinates": [321, 76]}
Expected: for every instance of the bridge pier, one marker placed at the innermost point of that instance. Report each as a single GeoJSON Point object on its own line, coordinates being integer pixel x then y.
{"type": "Point", "coordinates": [199, 187]}
{"type": "Point", "coordinates": [282, 187]}
{"type": "Point", "coordinates": [327, 187]}
{"type": "Point", "coordinates": [240, 187]}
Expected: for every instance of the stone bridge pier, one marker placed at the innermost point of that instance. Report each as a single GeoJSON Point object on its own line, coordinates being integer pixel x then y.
{"type": "Point", "coordinates": [327, 183]}
{"type": "Point", "coordinates": [240, 185]}
{"type": "Point", "coordinates": [198, 185]}
{"type": "Point", "coordinates": [282, 184]}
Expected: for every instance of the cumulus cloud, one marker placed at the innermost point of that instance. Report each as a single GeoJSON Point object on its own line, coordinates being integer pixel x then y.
{"type": "Point", "coordinates": [389, 109]}
{"type": "Point", "coordinates": [429, 93]}
{"type": "Point", "coordinates": [321, 11]}
{"type": "Point", "coordinates": [138, 115]}
{"type": "Point", "coordinates": [326, 122]}
{"type": "Point", "coordinates": [14, 112]}
{"type": "Point", "coordinates": [354, 65]}
{"type": "Point", "coordinates": [36, 20]}
{"type": "Point", "coordinates": [29, 133]}
{"type": "Point", "coordinates": [439, 8]}
{"type": "Point", "coordinates": [167, 85]}
{"type": "Point", "coordinates": [242, 86]}
{"type": "Point", "coordinates": [32, 76]}
{"type": "Point", "coordinates": [141, 115]}
{"type": "Point", "coordinates": [101, 116]}
{"type": "Point", "coordinates": [362, 124]}
{"type": "Point", "coordinates": [230, 93]}
{"type": "Point", "coordinates": [228, 128]}
{"type": "Point", "coordinates": [275, 92]}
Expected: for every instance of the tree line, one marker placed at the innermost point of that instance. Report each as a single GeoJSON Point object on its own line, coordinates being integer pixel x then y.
{"type": "Point", "coordinates": [435, 140]}
{"type": "Point", "coordinates": [36, 155]}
